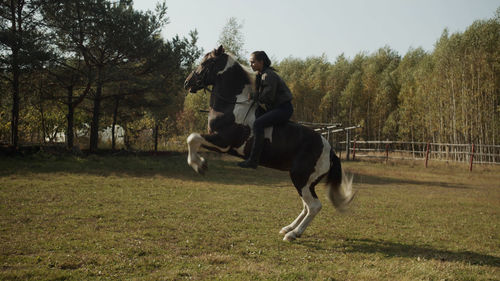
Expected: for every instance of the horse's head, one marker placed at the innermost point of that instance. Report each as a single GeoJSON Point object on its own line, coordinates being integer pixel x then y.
{"type": "Point", "coordinates": [206, 73]}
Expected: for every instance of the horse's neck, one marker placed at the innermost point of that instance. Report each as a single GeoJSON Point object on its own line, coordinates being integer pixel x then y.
{"type": "Point", "coordinates": [234, 79]}
{"type": "Point", "coordinates": [244, 112]}
{"type": "Point", "coordinates": [238, 81]}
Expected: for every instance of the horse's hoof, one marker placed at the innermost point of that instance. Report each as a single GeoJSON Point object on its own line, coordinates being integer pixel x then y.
{"type": "Point", "coordinates": [200, 171]}
{"type": "Point", "coordinates": [284, 231]}
{"type": "Point", "coordinates": [290, 236]}
{"type": "Point", "coordinates": [203, 167]}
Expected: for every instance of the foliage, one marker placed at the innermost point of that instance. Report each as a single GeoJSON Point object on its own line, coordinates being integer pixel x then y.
{"type": "Point", "coordinates": [98, 62]}
{"type": "Point", "coordinates": [449, 95]}
{"type": "Point", "coordinates": [23, 49]}
{"type": "Point", "coordinates": [22, 38]}
{"type": "Point", "coordinates": [193, 117]}
{"type": "Point", "coordinates": [109, 63]}
{"type": "Point", "coordinates": [231, 37]}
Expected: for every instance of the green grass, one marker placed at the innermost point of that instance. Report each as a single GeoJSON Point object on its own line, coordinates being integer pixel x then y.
{"type": "Point", "coordinates": [153, 218]}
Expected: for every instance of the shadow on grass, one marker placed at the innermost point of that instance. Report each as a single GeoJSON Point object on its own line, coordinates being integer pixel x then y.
{"type": "Point", "coordinates": [222, 169]}
{"type": "Point", "coordinates": [377, 180]}
{"type": "Point", "coordinates": [396, 249]}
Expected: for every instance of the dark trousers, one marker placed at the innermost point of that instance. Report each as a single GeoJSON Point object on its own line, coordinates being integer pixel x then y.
{"type": "Point", "coordinates": [279, 115]}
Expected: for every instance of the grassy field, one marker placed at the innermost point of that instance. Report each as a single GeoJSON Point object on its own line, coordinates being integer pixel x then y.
{"type": "Point", "coordinates": [153, 218]}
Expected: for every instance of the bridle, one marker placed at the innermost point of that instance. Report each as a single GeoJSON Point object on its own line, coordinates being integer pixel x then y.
{"type": "Point", "coordinates": [205, 83]}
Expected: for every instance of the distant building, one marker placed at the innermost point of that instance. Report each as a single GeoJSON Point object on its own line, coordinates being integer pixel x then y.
{"type": "Point", "coordinates": [104, 134]}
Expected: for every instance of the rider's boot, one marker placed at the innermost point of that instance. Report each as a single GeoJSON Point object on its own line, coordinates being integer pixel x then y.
{"type": "Point", "coordinates": [253, 160]}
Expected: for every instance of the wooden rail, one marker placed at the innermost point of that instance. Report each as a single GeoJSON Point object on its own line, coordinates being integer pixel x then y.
{"type": "Point", "coordinates": [468, 153]}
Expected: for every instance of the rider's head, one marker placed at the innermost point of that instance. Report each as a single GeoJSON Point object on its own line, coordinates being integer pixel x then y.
{"type": "Point", "coordinates": [259, 61]}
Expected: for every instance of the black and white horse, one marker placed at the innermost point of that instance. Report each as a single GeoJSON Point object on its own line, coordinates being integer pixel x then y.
{"type": "Point", "coordinates": [288, 147]}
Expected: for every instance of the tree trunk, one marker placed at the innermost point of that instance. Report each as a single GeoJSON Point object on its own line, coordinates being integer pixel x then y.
{"type": "Point", "coordinates": [16, 29]}
{"type": "Point", "coordinates": [94, 126]}
{"type": "Point", "coordinates": [368, 123]}
{"type": "Point", "coordinates": [350, 110]}
{"type": "Point", "coordinates": [70, 118]}
{"type": "Point", "coordinates": [42, 120]}
{"type": "Point", "coordinates": [15, 110]}
{"type": "Point", "coordinates": [453, 113]}
{"type": "Point", "coordinates": [126, 139]}
{"type": "Point", "coordinates": [115, 117]}
{"type": "Point", "coordinates": [156, 135]}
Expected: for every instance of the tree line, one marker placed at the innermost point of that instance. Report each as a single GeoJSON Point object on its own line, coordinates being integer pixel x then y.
{"type": "Point", "coordinates": [85, 64]}
{"type": "Point", "coordinates": [448, 95]}
{"type": "Point", "coordinates": [74, 65]}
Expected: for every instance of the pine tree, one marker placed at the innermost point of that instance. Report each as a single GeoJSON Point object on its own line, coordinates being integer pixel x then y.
{"type": "Point", "coordinates": [22, 47]}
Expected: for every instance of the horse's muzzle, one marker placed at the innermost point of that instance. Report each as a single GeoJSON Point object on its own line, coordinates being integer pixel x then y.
{"type": "Point", "coordinates": [190, 87]}
{"type": "Point", "coordinates": [187, 82]}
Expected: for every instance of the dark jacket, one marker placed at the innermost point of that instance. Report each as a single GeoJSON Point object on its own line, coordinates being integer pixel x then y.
{"type": "Point", "coordinates": [272, 90]}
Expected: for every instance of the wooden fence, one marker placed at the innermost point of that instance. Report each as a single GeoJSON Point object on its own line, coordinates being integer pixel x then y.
{"type": "Point", "coordinates": [427, 151]}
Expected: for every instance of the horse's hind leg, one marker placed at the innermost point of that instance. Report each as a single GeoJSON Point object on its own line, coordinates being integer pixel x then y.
{"type": "Point", "coordinates": [312, 206]}
{"type": "Point", "coordinates": [307, 171]}
{"type": "Point", "coordinates": [296, 222]}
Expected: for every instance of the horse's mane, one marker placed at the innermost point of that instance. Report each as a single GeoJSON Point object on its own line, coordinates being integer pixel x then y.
{"type": "Point", "coordinates": [249, 72]}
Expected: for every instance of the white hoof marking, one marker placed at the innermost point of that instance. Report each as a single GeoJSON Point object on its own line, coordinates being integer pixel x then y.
{"type": "Point", "coordinates": [290, 236]}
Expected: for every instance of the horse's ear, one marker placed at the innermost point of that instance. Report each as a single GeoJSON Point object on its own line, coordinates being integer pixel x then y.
{"type": "Point", "coordinates": [219, 50]}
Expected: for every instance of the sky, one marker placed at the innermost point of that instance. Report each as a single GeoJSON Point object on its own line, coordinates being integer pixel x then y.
{"type": "Point", "coordinates": [304, 28]}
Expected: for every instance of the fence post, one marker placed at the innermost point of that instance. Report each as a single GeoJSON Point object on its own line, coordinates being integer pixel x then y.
{"type": "Point", "coordinates": [471, 158]}
{"type": "Point", "coordinates": [386, 152]}
{"type": "Point", "coordinates": [347, 145]}
{"type": "Point", "coordinates": [354, 150]}
{"type": "Point", "coordinates": [427, 155]}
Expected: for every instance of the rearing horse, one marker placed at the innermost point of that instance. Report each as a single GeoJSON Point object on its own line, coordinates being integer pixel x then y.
{"type": "Point", "coordinates": [288, 147]}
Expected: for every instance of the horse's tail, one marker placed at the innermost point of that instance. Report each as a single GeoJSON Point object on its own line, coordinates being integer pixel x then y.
{"type": "Point", "coordinates": [340, 191]}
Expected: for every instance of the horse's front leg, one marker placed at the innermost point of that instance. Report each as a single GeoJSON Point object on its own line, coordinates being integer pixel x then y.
{"type": "Point", "coordinates": [195, 141]}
